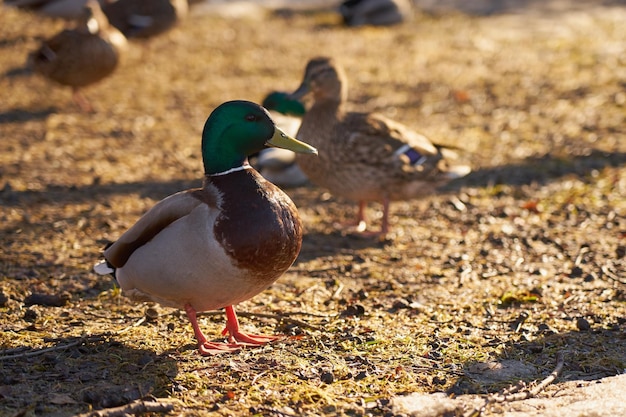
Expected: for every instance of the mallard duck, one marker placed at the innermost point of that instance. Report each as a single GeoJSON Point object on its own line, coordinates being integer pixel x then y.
{"type": "Point", "coordinates": [144, 18]}
{"type": "Point", "coordinates": [365, 156]}
{"type": "Point", "coordinates": [216, 246]}
{"type": "Point", "coordinates": [275, 164]}
{"type": "Point", "coordinates": [81, 56]}
{"type": "Point", "coordinates": [374, 12]}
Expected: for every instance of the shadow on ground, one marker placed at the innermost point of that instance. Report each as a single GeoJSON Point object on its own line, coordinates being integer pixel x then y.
{"type": "Point", "coordinates": [529, 361]}
{"type": "Point", "coordinates": [155, 190]}
{"type": "Point", "coordinates": [540, 170]}
{"type": "Point", "coordinates": [24, 115]}
{"type": "Point", "coordinates": [76, 374]}
{"type": "Point", "coordinates": [553, 375]}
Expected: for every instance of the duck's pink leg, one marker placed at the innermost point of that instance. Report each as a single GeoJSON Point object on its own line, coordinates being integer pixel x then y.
{"type": "Point", "coordinates": [81, 101]}
{"type": "Point", "coordinates": [205, 347]}
{"type": "Point", "coordinates": [361, 224]}
{"type": "Point", "coordinates": [235, 336]}
{"type": "Point", "coordinates": [385, 226]}
{"type": "Point", "coordinates": [361, 228]}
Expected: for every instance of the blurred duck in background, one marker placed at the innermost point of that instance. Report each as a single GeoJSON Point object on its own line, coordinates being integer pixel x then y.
{"type": "Point", "coordinates": [280, 102]}
{"type": "Point", "coordinates": [65, 9]}
{"type": "Point", "coordinates": [375, 12]}
{"type": "Point", "coordinates": [80, 56]}
{"type": "Point", "coordinates": [275, 164]}
{"type": "Point", "coordinates": [134, 18]}
{"type": "Point", "coordinates": [366, 156]}
{"type": "Point", "coordinates": [145, 18]}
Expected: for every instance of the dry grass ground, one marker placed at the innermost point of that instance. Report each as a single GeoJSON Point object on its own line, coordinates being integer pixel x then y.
{"type": "Point", "coordinates": [522, 260]}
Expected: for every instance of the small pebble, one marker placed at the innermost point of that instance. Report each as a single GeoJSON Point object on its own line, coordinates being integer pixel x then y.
{"type": "Point", "coordinates": [30, 315]}
{"type": "Point", "coordinates": [361, 375]}
{"type": "Point", "coordinates": [577, 272]}
{"type": "Point", "coordinates": [400, 303]}
{"type": "Point", "coordinates": [354, 310]}
{"type": "Point", "coordinates": [48, 300]}
{"type": "Point", "coordinates": [439, 381]}
{"type": "Point", "coordinates": [362, 294]}
{"type": "Point", "coordinates": [152, 314]}
{"type": "Point", "coordinates": [582, 324]}
{"type": "Point", "coordinates": [327, 377]}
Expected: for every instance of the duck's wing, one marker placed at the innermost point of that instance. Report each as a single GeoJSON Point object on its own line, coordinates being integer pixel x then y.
{"type": "Point", "coordinates": [74, 59]}
{"type": "Point", "coordinates": [161, 215]}
{"type": "Point", "coordinates": [46, 57]}
{"type": "Point", "coordinates": [375, 138]}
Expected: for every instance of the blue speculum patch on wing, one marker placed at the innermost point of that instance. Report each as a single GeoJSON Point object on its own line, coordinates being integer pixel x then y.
{"type": "Point", "coordinates": [414, 157]}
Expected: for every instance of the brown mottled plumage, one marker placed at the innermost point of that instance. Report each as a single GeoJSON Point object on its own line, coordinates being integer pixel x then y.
{"type": "Point", "coordinates": [365, 156]}
{"type": "Point", "coordinates": [216, 246]}
{"type": "Point", "coordinates": [81, 56]}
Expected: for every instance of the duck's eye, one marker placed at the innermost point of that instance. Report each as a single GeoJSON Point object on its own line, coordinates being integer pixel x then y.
{"type": "Point", "coordinates": [251, 118]}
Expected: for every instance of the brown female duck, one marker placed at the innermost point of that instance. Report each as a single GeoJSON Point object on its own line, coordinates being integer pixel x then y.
{"type": "Point", "coordinates": [81, 56]}
{"type": "Point", "coordinates": [365, 156]}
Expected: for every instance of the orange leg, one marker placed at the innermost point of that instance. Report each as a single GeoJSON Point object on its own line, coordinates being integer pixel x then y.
{"type": "Point", "coordinates": [204, 346]}
{"type": "Point", "coordinates": [236, 338]}
{"type": "Point", "coordinates": [385, 226]}
{"type": "Point", "coordinates": [82, 102]}
{"type": "Point", "coordinates": [357, 227]}
{"type": "Point", "coordinates": [362, 224]}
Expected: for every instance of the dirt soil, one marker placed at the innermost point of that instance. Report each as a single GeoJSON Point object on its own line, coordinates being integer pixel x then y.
{"type": "Point", "coordinates": [519, 263]}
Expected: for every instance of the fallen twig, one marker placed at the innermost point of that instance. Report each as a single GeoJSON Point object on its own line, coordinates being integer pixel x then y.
{"type": "Point", "coordinates": [134, 408]}
{"type": "Point", "coordinates": [135, 324]}
{"type": "Point", "coordinates": [337, 291]}
{"type": "Point", "coordinates": [518, 392]}
{"type": "Point", "coordinates": [581, 253]}
{"type": "Point", "coordinates": [77, 342]}
{"type": "Point", "coordinates": [611, 275]}
{"type": "Point", "coordinates": [317, 270]}
{"type": "Point", "coordinates": [304, 313]}
{"type": "Point", "coordinates": [560, 361]}
{"type": "Point", "coordinates": [268, 411]}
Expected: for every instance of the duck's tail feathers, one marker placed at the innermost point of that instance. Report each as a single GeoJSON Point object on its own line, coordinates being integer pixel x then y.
{"type": "Point", "coordinates": [458, 171]}
{"type": "Point", "coordinates": [451, 154]}
{"type": "Point", "coordinates": [24, 71]}
{"type": "Point", "coordinates": [104, 268]}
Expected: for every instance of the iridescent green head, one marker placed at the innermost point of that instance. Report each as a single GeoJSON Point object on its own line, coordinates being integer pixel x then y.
{"type": "Point", "coordinates": [282, 103]}
{"type": "Point", "coordinates": [238, 129]}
